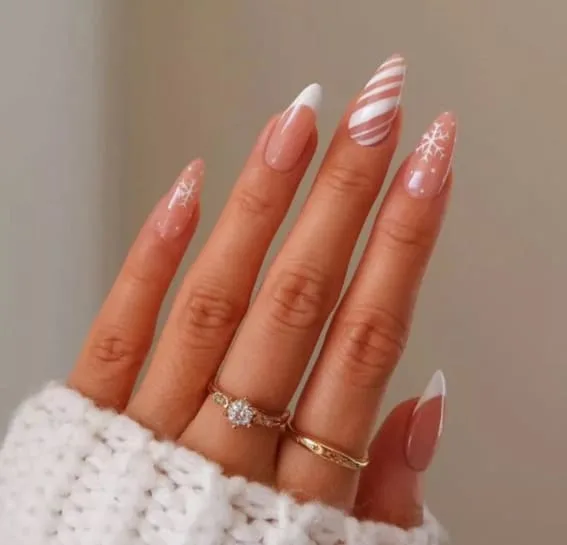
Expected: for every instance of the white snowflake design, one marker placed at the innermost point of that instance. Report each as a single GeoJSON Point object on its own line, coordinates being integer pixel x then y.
{"type": "Point", "coordinates": [431, 144]}
{"type": "Point", "coordinates": [183, 194]}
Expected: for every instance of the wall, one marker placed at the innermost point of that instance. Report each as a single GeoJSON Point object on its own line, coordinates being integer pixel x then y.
{"type": "Point", "coordinates": [62, 119]}
{"type": "Point", "coordinates": [201, 80]}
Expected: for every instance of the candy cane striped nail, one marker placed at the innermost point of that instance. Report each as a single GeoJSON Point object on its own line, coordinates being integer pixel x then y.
{"type": "Point", "coordinates": [378, 103]}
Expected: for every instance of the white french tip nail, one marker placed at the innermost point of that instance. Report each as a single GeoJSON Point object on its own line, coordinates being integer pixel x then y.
{"type": "Point", "coordinates": [311, 97]}
{"type": "Point", "coordinates": [436, 387]}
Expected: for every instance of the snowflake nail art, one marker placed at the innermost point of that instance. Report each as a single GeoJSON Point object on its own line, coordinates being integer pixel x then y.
{"type": "Point", "coordinates": [183, 193]}
{"type": "Point", "coordinates": [432, 141]}
{"type": "Point", "coordinates": [431, 160]}
{"type": "Point", "coordinates": [173, 215]}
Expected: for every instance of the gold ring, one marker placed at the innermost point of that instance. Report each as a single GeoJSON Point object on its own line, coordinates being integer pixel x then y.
{"type": "Point", "coordinates": [326, 451]}
{"type": "Point", "coordinates": [241, 414]}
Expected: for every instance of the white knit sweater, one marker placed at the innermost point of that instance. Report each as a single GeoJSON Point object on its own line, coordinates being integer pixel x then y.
{"type": "Point", "coordinates": [72, 474]}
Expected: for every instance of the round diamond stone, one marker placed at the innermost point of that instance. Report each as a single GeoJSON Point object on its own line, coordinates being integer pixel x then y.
{"type": "Point", "coordinates": [240, 413]}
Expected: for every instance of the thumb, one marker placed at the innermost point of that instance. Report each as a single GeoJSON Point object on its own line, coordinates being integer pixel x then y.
{"type": "Point", "coordinates": [391, 485]}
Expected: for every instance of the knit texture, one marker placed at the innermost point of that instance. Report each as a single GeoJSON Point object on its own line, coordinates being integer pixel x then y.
{"type": "Point", "coordinates": [72, 474]}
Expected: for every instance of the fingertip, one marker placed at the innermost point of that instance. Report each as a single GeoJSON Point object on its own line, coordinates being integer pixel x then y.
{"type": "Point", "coordinates": [390, 490]}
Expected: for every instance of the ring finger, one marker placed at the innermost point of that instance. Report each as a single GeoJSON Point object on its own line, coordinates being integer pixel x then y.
{"type": "Point", "coordinates": [340, 402]}
{"type": "Point", "coordinates": [278, 336]}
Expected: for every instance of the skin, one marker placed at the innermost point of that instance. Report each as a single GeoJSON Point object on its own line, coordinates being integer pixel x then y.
{"type": "Point", "coordinates": [278, 331]}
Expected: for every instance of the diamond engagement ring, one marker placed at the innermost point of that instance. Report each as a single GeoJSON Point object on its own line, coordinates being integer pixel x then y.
{"type": "Point", "coordinates": [241, 414]}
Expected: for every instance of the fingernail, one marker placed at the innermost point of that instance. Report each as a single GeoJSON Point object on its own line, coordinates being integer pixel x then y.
{"type": "Point", "coordinates": [293, 129]}
{"type": "Point", "coordinates": [174, 212]}
{"type": "Point", "coordinates": [426, 424]}
{"type": "Point", "coordinates": [378, 103]}
{"type": "Point", "coordinates": [429, 165]}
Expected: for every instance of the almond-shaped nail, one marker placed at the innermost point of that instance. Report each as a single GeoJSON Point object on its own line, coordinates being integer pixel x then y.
{"type": "Point", "coordinates": [293, 129]}
{"type": "Point", "coordinates": [174, 212]}
{"type": "Point", "coordinates": [429, 165]}
{"type": "Point", "coordinates": [378, 103]}
{"type": "Point", "coordinates": [426, 424]}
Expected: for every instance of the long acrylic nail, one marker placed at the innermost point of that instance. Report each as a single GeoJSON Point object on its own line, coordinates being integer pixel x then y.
{"type": "Point", "coordinates": [293, 129]}
{"type": "Point", "coordinates": [174, 212]}
{"type": "Point", "coordinates": [378, 103]}
{"type": "Point", "coordinates": [429, 165]}
{"type": "Point", "coordinates": [426, 424]}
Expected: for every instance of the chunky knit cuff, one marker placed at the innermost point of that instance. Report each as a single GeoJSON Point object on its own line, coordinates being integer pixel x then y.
{"type": "Point", "coordinates": [72, 474]}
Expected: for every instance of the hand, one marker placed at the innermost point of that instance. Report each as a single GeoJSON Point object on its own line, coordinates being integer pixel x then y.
{"type": "Point", "coordinates": [266, 359]}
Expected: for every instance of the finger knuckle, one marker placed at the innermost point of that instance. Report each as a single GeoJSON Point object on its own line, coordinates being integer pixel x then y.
{"type": "Point", "coordinates": [300, 298]}
{"type": "Point", "coordinates": [371, 343]}
{"type": "Point", "coordinates": [253, 202]}
{"type": "Point", "coordinates": [114, 348]}
{"type": "Point", "coordinates": [149, 272]}
{"type": "Point", "coordinates": [406, 236]}
{"type": "Point", "coordinates": [346, 179]}
{"type": "Point", "coordinates": [207, 312]}
{"type": "Point", "coordinates": [151, 262]}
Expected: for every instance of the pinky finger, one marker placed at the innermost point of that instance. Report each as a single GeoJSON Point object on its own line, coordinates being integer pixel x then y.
{"type": "Point", "coordinates": [122, 333]}
{"type": "Point", "coordinates": [391, 486]}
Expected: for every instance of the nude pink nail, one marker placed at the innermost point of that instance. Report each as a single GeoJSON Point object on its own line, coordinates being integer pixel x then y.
{"type": "Point", "coordinates": [174, 212]}
{"type": "Point", "coordinates": [293, 129]}
{"type": "Point", "coordinates": [429, 165]}
{"type": "Point", "coordinates": [426, 424]}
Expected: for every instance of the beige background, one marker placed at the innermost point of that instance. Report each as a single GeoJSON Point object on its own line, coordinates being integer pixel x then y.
{"type": "Point", "coordinates": [102, 102]}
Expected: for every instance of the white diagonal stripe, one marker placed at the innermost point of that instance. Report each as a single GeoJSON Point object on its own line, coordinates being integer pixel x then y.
{"type": "Point", "coordinates": [374, 139]}
{"type": "Point", "coordinates": [386, 124]}
{"type": "Point", "coordinates": [394, 60]}
{"type": "Point", "coordinates": [380, 89]}
{"type": "Point", "coordinates": [388, 73]}
{"type": "Point", "coordinates": [397, 59]}
{"type": "Point", "coordinates": [370, 111]}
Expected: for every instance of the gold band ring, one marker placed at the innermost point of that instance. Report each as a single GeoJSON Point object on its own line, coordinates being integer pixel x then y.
{"type": "Point", "coordinates": [241, 414]}
{"type": "Point", "coordinates": [326, 451]}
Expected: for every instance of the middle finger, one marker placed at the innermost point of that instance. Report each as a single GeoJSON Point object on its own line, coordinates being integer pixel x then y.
{"type": "Point", "coordinates": [278, 336]}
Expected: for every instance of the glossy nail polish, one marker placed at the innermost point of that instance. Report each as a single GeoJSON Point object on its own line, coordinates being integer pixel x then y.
{"type": "Point", "coordinates": [426, 424]}
{"type": "Point", "coordinates": [378, 103]}
{"type": "Point", "coordinates": [174, 212]}
{"type": "Point", "coordinates": [429, 165]}
{"type": "Point", "coordinates": [293, 129]}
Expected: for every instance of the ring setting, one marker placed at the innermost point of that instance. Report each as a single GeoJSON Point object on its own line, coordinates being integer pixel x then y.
{"type": "Point", "coordinates": [242, 414]}
{"type": "Point", "coordinates": [238, 411]}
